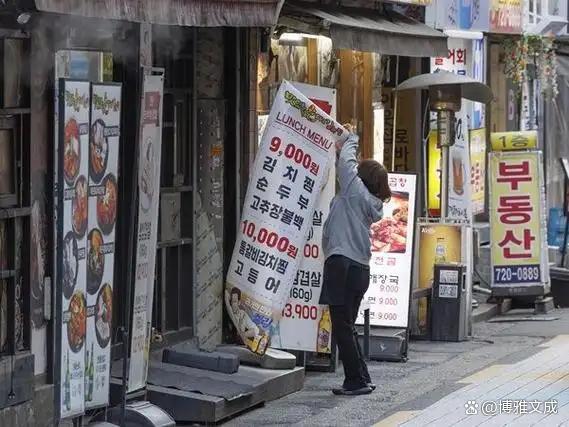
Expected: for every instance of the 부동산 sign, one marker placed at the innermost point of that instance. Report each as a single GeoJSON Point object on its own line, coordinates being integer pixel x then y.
{"type": "Point", "coordinates": [391, 261]}
{"type": "Point", "coordinates": [517, 221]}
{"type": "Point", "coordinates": [289, 173]}
{"type": "Point", "coordinates": [306, 325]}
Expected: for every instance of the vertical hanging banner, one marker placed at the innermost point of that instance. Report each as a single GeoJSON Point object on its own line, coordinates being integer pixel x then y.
{"type": "Point", "coordinates": [72, 216]}
{"type": "Point", "coordinates": [103, 198]}
{"type": "Point", "coordinates": [306, 325]}
{"type": "Point", "coordinates": [391, 261]}
{"type": "Point", "coordinates": [458, 61]}
{"type": "Point", "coordinates": [290, 170]}
{"type": "Point", "coordinates": [517, 224]}
{"type": "Point", "coordinates": [150, 150]}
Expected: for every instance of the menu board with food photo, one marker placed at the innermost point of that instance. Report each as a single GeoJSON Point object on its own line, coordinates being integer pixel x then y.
{"type": "Point", "coordinates": [103, 199]}
{"type": "Point", "coordinates": [73, 120]}
{"type": "Point", "coordinates": [392, 255]}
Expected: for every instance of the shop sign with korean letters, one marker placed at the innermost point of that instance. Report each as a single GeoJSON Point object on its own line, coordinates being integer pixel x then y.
{"type": "Point", "coordinates": [508, 141]}
{"type": "Point", "coordinates": [290, 170]}
{"type": "Point", "coordinates": [517, 220]}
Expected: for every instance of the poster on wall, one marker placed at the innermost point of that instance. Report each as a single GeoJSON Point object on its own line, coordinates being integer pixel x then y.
{"type": "Point", "coordinates": [306, 325]}
{"type": "Point", "coordinates": [290, 170]}
{"type": "Point", "coordinates": [517, 223]}
{"type": "Point", "coordinates": [102, 206]}
{"type": "Point", "coordinates": [478, 169]}
{"type": "Point", "coordinates": [73, 122]}
{"type": "Point", "coordinates": [150, 150]}
{"type": "Point", "coordinates": [391, 261]}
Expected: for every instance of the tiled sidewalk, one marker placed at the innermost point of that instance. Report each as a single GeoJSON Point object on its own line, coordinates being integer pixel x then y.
{"type": "Point", "coordinates": [534, 391]}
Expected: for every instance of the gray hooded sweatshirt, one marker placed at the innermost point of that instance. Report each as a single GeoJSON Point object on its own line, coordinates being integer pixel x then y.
{"type": "Point", "coordinates": [352, 210]}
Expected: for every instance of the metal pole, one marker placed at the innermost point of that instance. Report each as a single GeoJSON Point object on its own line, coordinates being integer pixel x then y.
{"type": "Point", "coordinates": [366, 334]}
{"type": "Point", "coordinates": [395, 102]}
{"type": "Point", "coordinates": [442, 141]}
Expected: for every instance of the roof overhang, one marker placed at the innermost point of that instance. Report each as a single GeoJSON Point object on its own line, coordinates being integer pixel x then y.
{"type": "Point", "coordinates": [367, 30]}
{"type": "Point", "coordinates": [195, 13]}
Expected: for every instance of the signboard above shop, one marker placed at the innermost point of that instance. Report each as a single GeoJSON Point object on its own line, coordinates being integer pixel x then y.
{"type": "Point", "coordinates": [467, 15]}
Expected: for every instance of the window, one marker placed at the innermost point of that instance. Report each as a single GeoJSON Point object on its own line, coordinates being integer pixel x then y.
{"type": "Point", "coordinates": [14, 212]}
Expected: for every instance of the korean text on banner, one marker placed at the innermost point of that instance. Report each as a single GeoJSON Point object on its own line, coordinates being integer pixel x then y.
{"type": "Point", "coordinates": [102, 203]}
{"type": "Point", "coordinates": [150, 149]}
{"type": "Point", "coordinates": [519, 255]}
{"type": "Point", "coordinates": [391, 261]}
{"type": "Point", "coordinates": [289, 172]}
{"type": "Point", "coordinates": [306, 325]}
{"type": "Point", "coordinates": [73, 110]}
{"type": "Point", "coordinates": [458, 61]}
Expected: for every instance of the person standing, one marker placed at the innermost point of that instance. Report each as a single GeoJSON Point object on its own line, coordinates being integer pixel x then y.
{"type": "Point", "coordinates": [364, 187]}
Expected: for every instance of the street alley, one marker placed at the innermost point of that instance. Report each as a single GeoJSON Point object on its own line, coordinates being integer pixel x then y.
{"type": "Point", "coordinates": [517, 362]}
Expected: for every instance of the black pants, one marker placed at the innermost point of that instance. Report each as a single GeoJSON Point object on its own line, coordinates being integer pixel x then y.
{"type": "Point", "coordinates": [345, 283]}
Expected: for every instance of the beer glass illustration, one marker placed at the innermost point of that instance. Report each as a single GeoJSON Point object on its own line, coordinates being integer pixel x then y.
{"type": "Point", "coordinates": [458, 175]}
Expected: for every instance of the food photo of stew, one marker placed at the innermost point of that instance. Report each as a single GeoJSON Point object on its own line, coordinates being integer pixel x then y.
{"type": "Point", "coordinates": [71, 151]}
{"type": "Point", "coordinates": [99, 151]}
{"type": "Point", "coordinates": [79, 207]}
{"type": "Point", "coordinates": [107, 205]}
{"type": "Point", "coordinates": [389, 234]}
{"type": "Point", "coordinates": [104, 315]}
{"type": "Point", "coordinates": [77, 324]}
{"type": "Point", "coordinates": [95, 261]}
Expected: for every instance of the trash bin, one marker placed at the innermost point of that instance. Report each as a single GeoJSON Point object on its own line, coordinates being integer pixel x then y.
{"type": "Point", "coordinates": [559, 286]}
{"type": "Point", "coordinates": [449, 309]}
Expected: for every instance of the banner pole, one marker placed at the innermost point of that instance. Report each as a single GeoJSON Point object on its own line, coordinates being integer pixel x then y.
{"type": "Point", "coordinates": [395, 103]}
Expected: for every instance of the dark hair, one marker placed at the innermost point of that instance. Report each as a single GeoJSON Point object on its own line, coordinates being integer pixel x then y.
{"type": "Point", "coordinates": [236, 291]}
{"type": "Point", "coordinates": [374, 176]}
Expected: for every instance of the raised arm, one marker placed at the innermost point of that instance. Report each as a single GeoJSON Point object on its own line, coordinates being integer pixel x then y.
{"type": "Point", "coordinates": [347, 163]}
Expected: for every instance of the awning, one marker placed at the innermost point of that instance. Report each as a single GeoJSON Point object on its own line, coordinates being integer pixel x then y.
{"type": "Point", "coordinates": [366, 30]}
{"type": "Point", "coordinates": [195, 13]}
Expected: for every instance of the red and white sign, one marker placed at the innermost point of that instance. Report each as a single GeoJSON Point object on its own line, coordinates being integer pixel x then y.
{"type": "Point", "coordinates": [392, 256]}
{"type": "Point", "coordinates": [299, 328]}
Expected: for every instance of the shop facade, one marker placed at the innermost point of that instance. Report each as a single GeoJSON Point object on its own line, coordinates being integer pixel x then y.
{"type": "Point", "coordinates": [204, 139]}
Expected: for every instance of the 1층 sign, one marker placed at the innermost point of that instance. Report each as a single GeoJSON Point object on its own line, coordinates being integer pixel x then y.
{"type": "Point", "coordinates": [290, 170]}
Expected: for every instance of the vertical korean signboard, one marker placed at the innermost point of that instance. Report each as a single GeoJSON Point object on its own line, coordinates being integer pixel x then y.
{"type": "Point", "coordinates": [391, 261]}
{"type": "Point", "coordinates": [290, 170]}
{"type": "Point", "coordinates": [299, 329]}
{"type": "Point", "coordinates": [150, 149]}
{"type": "Point", "coordinates": [517, 221]}
{"type": "Point", "coordinates": [102, 204]}
{"type": "Point", "coordinates": [73, 122]}
{"type": "Point", "coordinates": [459, 197]}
